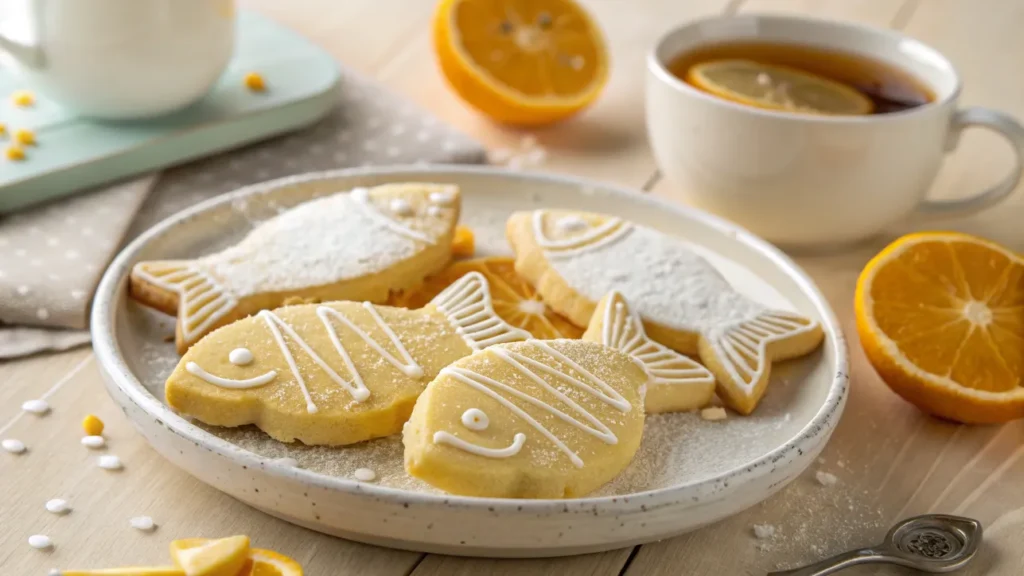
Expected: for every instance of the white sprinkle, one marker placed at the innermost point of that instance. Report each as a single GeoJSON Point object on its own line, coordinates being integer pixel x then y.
{"type": "Point", "coordinates": [54, 572]}
{"type": "Point", "coordinates": [143, 523]}
{"type": "Point", "coordinates": [40, 542]}
{"type": "Point", "coordinates": [764, 531]}
{"type": "Point", "coordinates": [286, 462]}
{"type": "Point", "coordinates": [37, 407]}
{"type": "Point", "coordinates": [825, 479]}
{"type": "Point", "coordinates": [57, 506]}
{"type": "Point", "coordinates": [94, 442]}
{"type": "Point", "coordinates": [713, 413]}
{"type": "Point", "coordinates": [13, 446]}
{"type": "Point", "coordinates": [365, 475]}
{"type": "Point", "coordinates": [109, 462]}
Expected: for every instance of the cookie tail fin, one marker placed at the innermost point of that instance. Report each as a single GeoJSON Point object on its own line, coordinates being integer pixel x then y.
{"type": "Point", "coordinates": [676, 383]}
{"type": "Point", "coordinates": [740, 355]}
{"type": "Point", "coordinates": [467, 306]}
{"type": "Point", "coordinates": [199, 300]}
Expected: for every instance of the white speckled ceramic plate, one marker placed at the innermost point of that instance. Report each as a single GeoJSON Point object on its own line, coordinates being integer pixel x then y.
{"type": "Point", "coordinates": [688, 472]}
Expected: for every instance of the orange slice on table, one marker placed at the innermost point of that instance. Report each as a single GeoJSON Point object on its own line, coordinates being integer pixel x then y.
{"type": "Point", "coordinates": [525, 62]}
{"type": "Point", "coordinates": [270, 563]}
{"type": "Point", "coordinates": [514, 300]}
{"type": "Point", "coordinates": [205, 557]}
{"type": "Point", "coordinates": [941, 318]}
{"type": "Point", "coordinates": [777, 88]}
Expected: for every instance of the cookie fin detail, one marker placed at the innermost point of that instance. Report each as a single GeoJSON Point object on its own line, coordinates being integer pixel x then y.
{"type": "Point", "coordinates": [740, 355]}
{"type": "Point", "coordinates": [677, 383]}
{"type": "Point", "coordinates": [202, 301]}
{"type": "Point", "coordinates": [467, 306]}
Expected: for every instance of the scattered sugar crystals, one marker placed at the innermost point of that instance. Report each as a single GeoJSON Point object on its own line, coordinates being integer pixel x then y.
{"type": "Point", "coordinates": [40, 542]}
{"type": "Point", "coordinates": [365, 475]}
{"type": "Point", "coordinates": [37, 407]}
{"type": "Point", "coordinates": [825, 479]}
{"type": "Point", "coordinates": [109, 462]}
{"type": "Point", "coordinates": [143, 523]}
{"type": "Point", "coordinates": [57, 506]}
{"type": "Point", "coordinates": [528, 153]}
{"type": "Point", "coordinates": [93, 442]}
{"type": "Point", "coordinates": [764, 531]}
{"type": "Point", "coordinates": [13, 446]}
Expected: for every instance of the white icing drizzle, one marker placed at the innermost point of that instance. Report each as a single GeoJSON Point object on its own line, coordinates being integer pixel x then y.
{"type": "Point", "coordinates": [401, 207]}
{"type": "Point", "coordinates": [467, 306]}
{"type": "Point", "coordinates": [475, 419]}
{"type": "Point", "coordinates": [202, 301]}
{"type": "Point", "coordinates": [240, 357]}
{"type": "Point", "coordinates": [373, 212]}
{"type": "Point", "coordinates": [446, 198]}
{"type": "Point", "coordinates": [355, 387]}
{"type": "Point", "coordinates": [528, 367]}
{"type": "Point", "coordinates": [571, 223]}
{"type": "Point", "coordinates": [261, 380]}
{"type": "Point", "coordinates": [742, 348]}
{"type": "Point", "coordinates": [596, 237]}
{"type": "Point", "coordinates": [442, 437]}
{"type": "Point", "coordinates": [622, 330]}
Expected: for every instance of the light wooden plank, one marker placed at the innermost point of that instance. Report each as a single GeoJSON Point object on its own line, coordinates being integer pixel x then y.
{"type": "Point", "coordinates": [31, 378]}
{"type": "Point", "coordinates": [607, 563]}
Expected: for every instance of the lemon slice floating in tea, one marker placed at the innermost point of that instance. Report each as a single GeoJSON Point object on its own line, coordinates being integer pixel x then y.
{"type": "Point", "coordinates": [777, 88]}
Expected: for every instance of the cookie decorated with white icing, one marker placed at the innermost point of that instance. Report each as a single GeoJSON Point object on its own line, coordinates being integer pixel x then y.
{"type": "Point", "coordinates": [575, 258]}
{"type": "Point", "coordinates": [677, 383]}
{"type": "Point", "coordinates": [535, 419]}
{"type": "Point", "coordinates": [334, 373]}
{"type": "Point", "coordinates": [358, 245]}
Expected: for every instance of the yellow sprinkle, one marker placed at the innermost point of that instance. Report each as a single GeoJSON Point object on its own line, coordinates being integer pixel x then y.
{"type": "Point", "coordinates": [25, 137]}
{"type": "Point", "coordinates": [3, 129]}
{"type": "Point", "coordinates": [254, 82]}
{"type": "Point", "coordinates": [15, 152]}
{"type": "Point", "coordinates": [23, 98]}
{"type": "Point", "coordinates": [92, 425]}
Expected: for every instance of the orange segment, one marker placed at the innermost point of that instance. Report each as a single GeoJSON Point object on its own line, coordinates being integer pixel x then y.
{"type": "Point", "coordinates": [513, 298]}
{"type": "Point", "coordinates": [941, 318]}
{"type": "Point", "coordinates": [777, 88]}
{"type": "Point", "coordinates": [526, 62]}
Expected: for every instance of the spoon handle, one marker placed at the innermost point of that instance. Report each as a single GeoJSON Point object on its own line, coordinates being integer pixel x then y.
{"type": "Point", "coordinates": [837, 563]}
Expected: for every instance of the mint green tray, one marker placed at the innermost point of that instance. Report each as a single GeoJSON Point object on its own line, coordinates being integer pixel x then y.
{"type": "Point", "coordinates": [74, 153]}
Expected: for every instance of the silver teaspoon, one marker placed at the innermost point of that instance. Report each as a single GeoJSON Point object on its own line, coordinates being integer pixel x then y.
{"type": "Point", "coordinates": [934, 543]}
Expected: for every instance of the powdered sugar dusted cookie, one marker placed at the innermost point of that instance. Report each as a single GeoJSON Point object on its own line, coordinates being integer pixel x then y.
{"type": "Point", "coordinates": [334, 373]}
{"type": "Point", "coordinates": [535, 419]}
{"type": "Point", "coordinates": [676, 382]}
{"type": "Point", "coordinates": [575, 258]}
{"type": "Point", "coordinates": [357, 245]}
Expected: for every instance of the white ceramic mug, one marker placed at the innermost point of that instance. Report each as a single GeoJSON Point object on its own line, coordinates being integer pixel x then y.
{"type": "Point", "coordinates": [804, 180]}
{"type": "Point", "coordinates": [119, 58]}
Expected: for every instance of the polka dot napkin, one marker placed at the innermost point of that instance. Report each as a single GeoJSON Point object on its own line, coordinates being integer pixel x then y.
{"type": "Point", "coordinates": [51, 257]}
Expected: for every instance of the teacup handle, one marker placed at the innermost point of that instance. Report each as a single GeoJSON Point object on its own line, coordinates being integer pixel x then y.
{"type": "Point", "coordinates": [1001, 123]}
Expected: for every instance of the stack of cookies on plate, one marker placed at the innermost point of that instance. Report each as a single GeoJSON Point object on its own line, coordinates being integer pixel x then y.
{"type": "Point", "coordinates": [345, 319]}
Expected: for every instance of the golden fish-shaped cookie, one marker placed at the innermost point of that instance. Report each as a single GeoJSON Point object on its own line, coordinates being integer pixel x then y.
{"type": "Point", "coordinates": [575, 258]}
{"type": "Point", "coordinates": [358, 245]}
{"type": "Point", "coordinates": [334, 373]}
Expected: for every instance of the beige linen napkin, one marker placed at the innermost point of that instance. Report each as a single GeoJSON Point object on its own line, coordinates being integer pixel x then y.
{"type": "Point", "coordinates": [52, 257]}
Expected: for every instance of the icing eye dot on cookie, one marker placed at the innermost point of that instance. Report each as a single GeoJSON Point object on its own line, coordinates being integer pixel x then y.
{"type": "Point", "coordinates": [364, 475]}
{"type": "Point", "coordinates": [37, 407]}
{"type": "Point", "coordinates": [475, 419]}
{"type": "Point", "coordinates": [401, 207]}
{"type": "Point", "coordinates": [240, 357]}
{"type": "Point", "coordinates": [13, 446]}
{"type": "Point", "coordinates": [109, 462]}
{"type": "Point", "coordinates": [40, 542]}
{"type": "Point", "coordinates": [94, 442]}
{"type": "Point", "coordinates": [57, 506]}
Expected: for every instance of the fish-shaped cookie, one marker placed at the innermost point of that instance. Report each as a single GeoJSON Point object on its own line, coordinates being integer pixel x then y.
{"type": "Point", "coordinates": [357, 245]}
{"type": "Point", "coordinates": [676, 382]}
{"type": "Point", "coordinates": [534, 419]}
{"type": "Point", "coordinates": [334, 373]}
{"type": "Point", "coordinates": [575, 258]}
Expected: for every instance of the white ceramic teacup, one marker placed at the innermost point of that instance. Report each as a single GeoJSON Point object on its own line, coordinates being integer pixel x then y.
{"type": "Point", "coordinates": [806, 180]}
{"type": "Point", "coordinates": [119, 58]}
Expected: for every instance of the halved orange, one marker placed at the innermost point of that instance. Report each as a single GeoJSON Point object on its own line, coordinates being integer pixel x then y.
{"type": "Point", "coordinates": [525, 62]}
{"type": "Point", "coordinates": [941, 318]}
{"type": "Point", "coordinates": [513, 298]}
{"type": "Point", "coordinates": [777, 88]}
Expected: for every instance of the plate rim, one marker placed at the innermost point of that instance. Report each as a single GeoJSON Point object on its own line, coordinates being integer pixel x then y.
{"type": "Point", "coordinates": [102, 328]}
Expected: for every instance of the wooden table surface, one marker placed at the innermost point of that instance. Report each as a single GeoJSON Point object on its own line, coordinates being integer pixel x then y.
{"type": "Point", "coordinates": [891, 461]}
